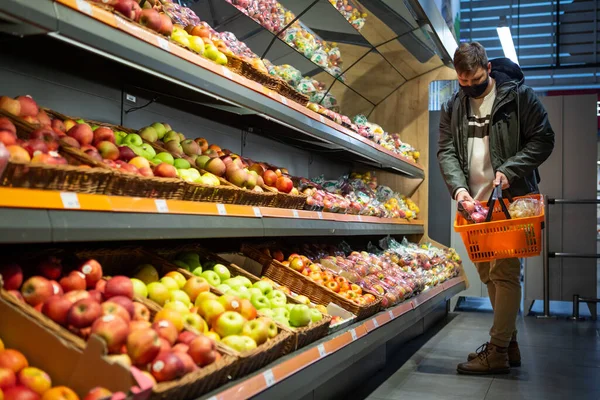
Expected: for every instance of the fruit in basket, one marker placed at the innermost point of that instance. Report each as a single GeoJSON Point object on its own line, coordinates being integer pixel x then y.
{"type": "Point", "coordinates": [83, 313]}
{"type": "Point", "coordinates": [13, 360]}
{"type": "Point", "coordinates": [315, 315]}
{"type": "Point", "coordinates": [125, 153]}
{"type": "Point", "coordinates": [82, 133]}
{"type": "Point", "coordinates": [166, 329]}
{"type": "Point", "coordinates": [236, 342]}
{"type": "Point", "coordinates": [216, 166]}
{"type": "Point", "coordinates": [277, 298]}
{"type": "Point", "coordinates": [174, 147]}
{"type": "Point", "coordinates": [119, 286]}
{"type": "Point", "coordinates": [141, 312]}
{"type": "Point", "coordinates": [260, 301]}
{"type": "Point", "coordinates": [74, 281]}
{"type": "Point", "coordinates": [57, 308]}
{"type": "Point", "coordinates": [196, 44]}
{"type": "Point", "coordinates": [169, 283]}
{"type": "Point", "coordinates": [300, 315]}
{"type": "Point", "coordinates": [97, 393]}
{"type": "Point", "coordinates": [132, 140]}
{"type": "Point", "coordinates": [103, 134]}
{"type": "Point", "coordinates": [7, 137]}
{"type": "Point", "coordinates": [9, 105]}
{"type": "Point", "coordinates": [202, 160]}
{"type": "Point", "coordinates": [125, 302]}
{"type": "Point", "coordinates": [113, 330]}
{"type": "Point", "coordinates": [171, 136]}
{"type": "Point", "coordinates": [77, 295]}
{"type": "Point", "coordinates": [212, 278]}
{"type": "Point", "coordinates": [284, 184]}
{"type": "Point", "coordinates": [117, 310]}
{"type": "Point", "coordinates": [257, 330]}
{"type": "Point", "coordinates": [143, 346]}
{"type": "Point", "coordinates": [265, 287]}
{"type": "Point", "coordinates": [181, 163]}
{"type": "Point", "coordinates": [36, 290]}
{"type": "Point", "coordinates": [167, 367]}
{"type": "Point", "coordinates": [190, 147]}
{"type": "Point", "coordinates": [178, 277]}
{"type": "Point", "coordinates": [47, 135]}
{"type": "Point", "coordinates": [151, 19]}
{"type": "Point", "coordinates": [35, 379]}
{"type": "Point", "coordinates": [18, 154]}
{"type": "Point", "coordinates": [12, 275]}
{"type": "Point", "coordinates": [210, 309]}
{"type": "Point", "coordinates": [149, 134]}
{"type": "Point", "coordinates": [228, 323]}
{"type": "Point", "coordinates": [180, 296]}
{"type": "Point", "coordinates": [147, 274]}
{"type": "Point", "coordinates": [203, 350]}
{"type": "Point", "coordinates": [108, 150]}
{"type": "Point", "coordinates": [194, 286]}
{"type": "Point", "coordinates": [29, 107]}
{"type": "Point", "coordinates": [139, 288]}
{"type": "Point", "coordinates": [8, 378]}
{"type": "Point", "coordinates": [50, 268]}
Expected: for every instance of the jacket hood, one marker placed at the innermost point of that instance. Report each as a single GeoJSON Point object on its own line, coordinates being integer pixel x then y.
{"type": "Point", "coordinates": [504, 70]}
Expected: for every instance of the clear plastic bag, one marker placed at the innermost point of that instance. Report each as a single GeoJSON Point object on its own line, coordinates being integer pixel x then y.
{"type": "Point", "coordinates": [525, 207]}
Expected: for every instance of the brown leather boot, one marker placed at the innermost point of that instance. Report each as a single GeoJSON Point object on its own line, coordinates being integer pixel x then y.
{"type": "Point", "coordinates": [490, 359]}
{"type": "Point", "coordinates": [514, 355]}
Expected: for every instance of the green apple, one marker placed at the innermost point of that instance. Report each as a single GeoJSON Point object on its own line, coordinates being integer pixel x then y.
{"type": "Point", "coordinates": [272, 329]}
{"type": "Point", "coordinates": [180, 295]}
{"type": "Point", "coordinates": [165, 157]}
{"type": "Point", "coordinates": [242, 292]}
{"type": "Point", "coordinates": [133, 139]}
{"type": "Point", "coordinates": [289, 306]}
{"type": "Point", "coordinates": [139, 288]}
{"type": "Point", "coordinates": [160, 129]}
{"type": "Point", "coordinates": [236, 342]}
{"type": "Point", "coordinates": [257, 330]}
{"type": "Point", "coordinates": [244, 281]}
{"type": "Point", "coordinates": [223, 288]}
{"type": "Point", "coordinates": [222, 271]}
{"type": "Point", "coordinates": [260, 301]}
{"type": "Point", "coordinates": [181, 163]}
{"type": "Point", "coordinates": [300, 315]}
{"type": "Point", "coordinates": [267, 312]}
{"type": "Point", "coordinates": [254, 291]}
{"type": "Point", "coordinates": [146, 273]}
{"type": "Point", "coordinates": [281, 311]}
{"type": "Point", "coordinates": [171, 135]}
{"type": "Point", "coordinates": [170, 283]}
{"type": "Point", "coordinates": [196, 322]}
{"type": "Point", "coordinates": [182, 265]}
{"type": "Point", "coordinates": [249, 343]}
{"type": "Point", "coordinates": [315, 315]}
{"type": "Point", "coordinates": [158, 293]}
{"type": "Point", "coordinates": [229, 323]}
{"type": "Point", "coordinates": [233, 282]}
{"type": "Point", "coordinates": [212, 278]}
{"type": "Point", "coordinates": [149, 134]}
{"type": "Point", "coordinates": [278, 298]}
{"type": "Point", "coordinates": [265, 287]}
{"type": "Point", "coordinates": [151, 153]}
{"type": "Point", "coordinates": [197, 271]}
{"type": "Point", "coordinates": [281, 320]}
{"type": "Point", "coordinates": [139, 151]}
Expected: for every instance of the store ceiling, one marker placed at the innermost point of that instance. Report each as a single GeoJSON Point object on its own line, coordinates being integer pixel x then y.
{"type": "Point", "coordinates": [556, 41]}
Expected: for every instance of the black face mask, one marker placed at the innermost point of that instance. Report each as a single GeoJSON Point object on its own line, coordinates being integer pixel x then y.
{"type": "Point", "coordinates": [476, 91]}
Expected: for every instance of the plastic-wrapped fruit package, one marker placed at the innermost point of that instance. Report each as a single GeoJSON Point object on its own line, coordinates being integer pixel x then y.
{"type": "Point", "coordinates": [472, 211]}
{"type": "Point", "coordinates": [525, 207]}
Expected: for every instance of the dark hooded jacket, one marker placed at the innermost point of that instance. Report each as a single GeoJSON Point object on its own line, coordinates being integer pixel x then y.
{"type": "Point", "coordinates": [521, 137]}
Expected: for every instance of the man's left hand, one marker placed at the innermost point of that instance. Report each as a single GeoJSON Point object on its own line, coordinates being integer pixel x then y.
{"type": "Point", "coordinates": [501, 180]}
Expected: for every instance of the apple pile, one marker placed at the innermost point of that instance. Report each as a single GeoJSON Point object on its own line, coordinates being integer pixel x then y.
{"type": "Point", "coordinates": [20, 381]}
{"type": "Point", "coordinates": [148, 16]}
{"type": "Point", "coordinates": [198, 39]}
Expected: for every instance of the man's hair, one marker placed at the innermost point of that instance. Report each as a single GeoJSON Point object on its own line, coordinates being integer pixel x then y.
{"type": "Point", "coordinates": [470, 56]}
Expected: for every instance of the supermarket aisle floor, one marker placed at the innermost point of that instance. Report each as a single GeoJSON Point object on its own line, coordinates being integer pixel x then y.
{"type": "Point", "coordinates": [561, 360]}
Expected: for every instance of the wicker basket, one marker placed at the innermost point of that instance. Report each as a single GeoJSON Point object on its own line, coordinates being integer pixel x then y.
{"type": "Point", "coordinates": [300, 336]}
{"type": "Point", "coordinates": [235, 64]}
{"type": "Point", "coordinates": [301, 284]}
{"type": "Point", "coordinates": [286, 90]}
{"type": "Point", "coordinates": [285, 200]}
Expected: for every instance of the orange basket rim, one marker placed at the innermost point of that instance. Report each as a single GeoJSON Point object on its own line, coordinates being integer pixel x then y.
{"type": "Point", "coordinates": [461, 224]}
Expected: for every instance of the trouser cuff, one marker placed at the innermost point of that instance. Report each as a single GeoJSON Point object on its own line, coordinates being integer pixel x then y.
{"type": "Point", "coordinates": [499, 343]}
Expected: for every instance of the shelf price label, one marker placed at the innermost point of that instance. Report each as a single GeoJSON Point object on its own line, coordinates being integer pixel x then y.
{"type": "Point", "coordinates": [284, 100]}
{"type": "Point", "coordinates": [269, 377]}
{"type": "Point", "coordinates": [84, 7]}
{"type": "Point", "coordinates": [353, 334]}
{"type": "Point", "coordinates": [161, 205]}
{"type": "Point", "coordinates": [359, 218]}
{"type": "Point", "coordinates": [227, 73]}
{"type": "Point", "coordinates": [322, 351]}
{"type": "Point", "coordinates": [322, 118]}
{"type": "Point", "coordinates": [320, 214]}
{"type": "Point", "coordinates": [163, 44]}
{"type": "Point", "coordinates": [391, 314]}
{"type": "Point", "coordinates": [295, 213]}
{"type": "Point", "coordinates": [375, 322]}
{"type": "Point", "coordinates": [221, 209]}
{"type": "Point", "coordinates": [70, 200]}
{"type": "Point", "coordinates": [257, 212]}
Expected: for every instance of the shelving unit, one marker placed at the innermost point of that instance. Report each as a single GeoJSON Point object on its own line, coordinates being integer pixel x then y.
{"type": "Point", "coordinates": [149, 63]}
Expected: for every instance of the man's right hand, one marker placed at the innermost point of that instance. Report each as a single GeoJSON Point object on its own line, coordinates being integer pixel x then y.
{"type": "Point", "coordinates": [464, 195]}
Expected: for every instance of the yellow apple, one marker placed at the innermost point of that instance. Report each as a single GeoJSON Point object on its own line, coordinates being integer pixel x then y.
{"type": "Point", "coordinates": [178, 276]}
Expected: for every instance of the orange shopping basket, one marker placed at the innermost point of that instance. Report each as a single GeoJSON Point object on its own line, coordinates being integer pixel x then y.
{"type": "Point", "coordinates": [503, 237]}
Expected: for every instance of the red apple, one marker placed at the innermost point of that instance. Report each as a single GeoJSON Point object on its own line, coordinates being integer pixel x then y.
{"type": "Point", "coordinates": [247, 310]}
{"type": "Point", "coordinates": [98, 393]}
{"type": "Point", "coordinates": [57, 290]}
{"type": "Point", "coordinates": [12, 275]}
{"type": "Point", "coordinates": [270, 178]}
{"type": "Point", "coordinates": [127, 8]}
{"type": "Point", "coordinates": [58, 126]}
{"type": "Point", "coordinates": [113, 329]}
{"type": "Point", "coordinates": [96, 295]}
{"type": "Point", "coordinates": [166, 330]}
{"type": "Point", "coordinates": [46, 134]}
{"type": "Point", "coordinates": [167, 367]}
{"type": "Point", "coordinates": [108, 150]}
{"type": "Point", "coordinates": [119, 286]}
{"type": "Point", "coordinates": [180, 348]}
{"type": "Point", "coordinates": [20, 393]}
{"type": "Point", "coordinates": [202, 143]}
{"type": "Point", "coordinates": [8, 378]}
{"type": "Point", "coordinates": [101, 285]}
{"type": "Point", "coordinates": [165, 170]}
{"type": "Point", "coordinates": [82, 133]}
{"type": "Point", "coordinates": [83, 313]}
{"type": "Point", "coordinates": [166, 25]}
{"type": "Point", "coordinates": [35, 147]}
{"type": "Point", "coordinates": [284, 184]}
{"type": "Point", "coordinates": [36, 290]}
{"type": "Point", "coordinates": [165, 346]}
{"type": "Point", "coordinates": [110, 308]}
{"type": "Point", "coordinates": [146, 171]}
{"type": "Point", "coordinates": [57, 308]}
{"type": "Point", "coordinates": [188, 362]}
{"type": "Point", "coordinates": [135, 325]}
{"type": "Point", "coordinates": [126, 154]}
{"type": "Point", "coordinates": [7, 138]}
{"type": "Point", "coordinates": [186, 337]}
{"type": "Point", "coordinates": [77, 295]}
{"type": "Point", "coordinates": [203, 350]}
{"type": "Point", "coordinates": [124, 302]}
{"type": "Point", "coordinates": [69, 141]}
{"type": "Point", "coordinates": [13, 360]}
{"type": "Point", "coordinates": [151, 19]}
{"type": "Point", "coordinates": [35, 379]}
{"type": "Point", "coordinates": [74, 281]}
{"type": "Point", "coordinates": [10, 105]}
{"type": "Point", "coordinates": [140, 312]}
{"type": "Point", "coordinates": [143, 345]}
{"type": "Point", "coordinates": [50, 268]}
{"type": "Point", "coordinates": [103, 134]}
{"type": "Point", "coordinates": [29, 107]}
{"type": "Point", "coordinates": [92, 270]}
{"type": "Point", "coordinates": [44, 119]}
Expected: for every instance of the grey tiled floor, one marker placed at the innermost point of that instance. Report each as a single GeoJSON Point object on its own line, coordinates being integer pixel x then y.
{"type": "Point", "coordinates": [561, 360]}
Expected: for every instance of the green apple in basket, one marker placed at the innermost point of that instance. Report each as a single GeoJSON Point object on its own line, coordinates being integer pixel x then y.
{"type": "Point", "coordinates": [260, 301]}
{"type": "Point", "coordinates": [277, 298]}
{"type": "Point", "coordinates": [300, 315]}
{"type": "Point", "coordinates": [222, 271]}
{"type": "Point", "coordinates": [265, 287]}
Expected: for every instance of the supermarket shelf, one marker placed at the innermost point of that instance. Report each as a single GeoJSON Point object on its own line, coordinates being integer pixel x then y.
{"type": "Point", "coordinates": [295, 374]}
{"type": "Point", "coordinates": [36, 216]}
{"type": "Point", "coordinates": [101, 32]}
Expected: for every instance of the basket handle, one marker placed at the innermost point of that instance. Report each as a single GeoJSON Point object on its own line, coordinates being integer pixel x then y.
{"type": "Point", "coordinates": [497, 196]}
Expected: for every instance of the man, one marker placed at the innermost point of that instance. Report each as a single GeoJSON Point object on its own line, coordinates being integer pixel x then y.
{"type": "Point", "coordinates": [493, 131]}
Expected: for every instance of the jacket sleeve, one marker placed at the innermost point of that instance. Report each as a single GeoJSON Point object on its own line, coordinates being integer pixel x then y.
{"type": "Point", "coordinates": [448, 158]}
{"type": "Point", "coordinates": [537, 134]}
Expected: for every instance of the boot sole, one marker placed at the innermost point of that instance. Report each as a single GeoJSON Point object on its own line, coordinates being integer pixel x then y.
{"type": "Point", "coordinates": [513, 364]}
{"type": "Point", "coordinates": [495, 372]}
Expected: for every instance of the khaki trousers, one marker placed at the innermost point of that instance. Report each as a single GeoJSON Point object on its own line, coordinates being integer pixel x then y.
{"type": "Point", "coordinates": [503, 281]}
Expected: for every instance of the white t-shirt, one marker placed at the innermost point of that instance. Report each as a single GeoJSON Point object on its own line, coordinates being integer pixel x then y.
{"type": "Point", "coordinates": [481, 172]}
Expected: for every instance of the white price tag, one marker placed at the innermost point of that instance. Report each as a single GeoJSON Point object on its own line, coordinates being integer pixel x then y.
{"type": "Point", "coordinates": [375, 323]}
{"type": "Point", "coordinates": [391, 314]}
{"type": "Point", "coordinates": [322, 118]}
{"type": "Point", "coordinates": [212, 398]}
{"type": "Point", "coordinates": [84, 6]}
{"type": "Point", "coordinates": [320, 214]}
{"type": "Point", "coordinates": [359, 218]}
{"type": "Point", "coordinates": [284, 100]}
{"type": "Point", "coordinates": [257, 212]}
{"type": "Point", "coordinates": [161, 205]}
{"type": "Point", "coordinates": [227, 73]}
{"type": "Point", "coordinates": [221, 209]}
{"type": "Point", "coordinates": [322, 352]}
{"type": "Point", "coordinates": [353, 334]}
{"type": "Point", "coordinates": [295, 213]}
{"type": "Point", "coordinates": [269, 378]}
{"type": "Point", "coordinates": [70, 200]}
{"type": "Point", "coordinates": [164, 44]}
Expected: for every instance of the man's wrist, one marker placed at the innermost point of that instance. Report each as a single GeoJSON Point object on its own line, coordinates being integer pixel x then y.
{"type": "Point", "coordinates": [459, 191]}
